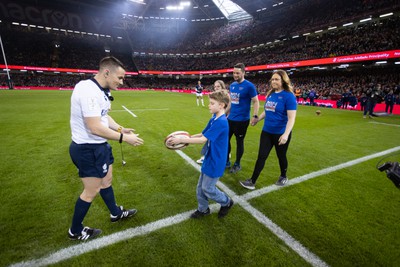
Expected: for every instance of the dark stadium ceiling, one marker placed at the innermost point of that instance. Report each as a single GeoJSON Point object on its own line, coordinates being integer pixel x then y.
{"type": "Point", "coordinates": [198, 9]}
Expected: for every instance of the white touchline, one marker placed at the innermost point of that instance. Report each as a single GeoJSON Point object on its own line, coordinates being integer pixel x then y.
{"type": "Point", "coordinates": [104, 241]}
{"type": "Point", "coordinates": [388, 124]}
{"type": "Point", "coordinates": [268, 189]}
{"type": "Point", "coordinates": [130, 112]}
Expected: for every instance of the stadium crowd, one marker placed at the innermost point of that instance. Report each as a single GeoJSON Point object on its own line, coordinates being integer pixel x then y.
{"type": "Point", "coordinates": [328, 85]}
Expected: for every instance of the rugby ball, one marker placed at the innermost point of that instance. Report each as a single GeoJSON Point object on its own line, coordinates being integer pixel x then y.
{"type": "Point", "coordinates": [318, 112]}
{"type": "Point", "coordinates": [179, 134]}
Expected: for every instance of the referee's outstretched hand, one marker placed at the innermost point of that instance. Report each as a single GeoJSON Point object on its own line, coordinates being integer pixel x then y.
{"type": "Point", "coordinates": [132, 139]}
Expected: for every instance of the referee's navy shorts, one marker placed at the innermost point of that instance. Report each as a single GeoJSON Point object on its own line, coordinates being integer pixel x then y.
{"type": "Point", "coordinates": [92, 160]}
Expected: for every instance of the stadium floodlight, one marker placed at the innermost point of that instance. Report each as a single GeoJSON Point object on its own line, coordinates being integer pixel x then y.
{"type": "Point", "coordinates": [386, 15]}
{"type": "Point", "coordinates": [332, 28]}
{"type": "Point", "coordinates": [138, 1]}
{"type": "Point", "coordinates": [347, 24]}
{"type": "Point", "coordinates": [174, 7]}
{"type": "Point", "coordinates": [380, 62]}
{"type": "Point", "coordinates": [181, 6]}
{"type": "Point", "coordinates": [364, 20]}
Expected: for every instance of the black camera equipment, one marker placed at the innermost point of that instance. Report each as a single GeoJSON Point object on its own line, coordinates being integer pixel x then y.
{"type": "Point", "coordinates": [392, 170]}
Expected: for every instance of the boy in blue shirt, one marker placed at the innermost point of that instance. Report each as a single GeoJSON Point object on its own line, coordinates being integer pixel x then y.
{"type": "Point", "coordinates": [216, 135]}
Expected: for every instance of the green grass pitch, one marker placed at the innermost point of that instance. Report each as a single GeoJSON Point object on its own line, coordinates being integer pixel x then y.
{"type": "Point", "coordinates": [347, 217]}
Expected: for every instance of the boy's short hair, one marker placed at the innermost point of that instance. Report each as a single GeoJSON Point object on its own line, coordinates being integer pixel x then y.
{"type": "Point", "coordinates": [221, 96]}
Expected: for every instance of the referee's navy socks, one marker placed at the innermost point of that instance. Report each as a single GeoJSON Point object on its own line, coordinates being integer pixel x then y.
{"type": "Point", "coordinates": [81, 208]}
{"type": "Point", "coordinates": [108, 196]}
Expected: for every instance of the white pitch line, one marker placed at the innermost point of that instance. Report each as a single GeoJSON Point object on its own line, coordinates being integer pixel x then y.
{"type": "Point", "coordinates": [388, 124]}
{"type": "Point", "coordinates": [143, 109]}
{"type": "Point", "coordinates": [271, 188]}
{"type": "Point", "coordinates": [84, 247]}
{"type": "Point", "coordinates": [130, 112]}
{"type": "Point", "coordinates": [295, 245]}
{"type": "Point", "coordinates": [104, 241]}
{"type": "Point", "coordinates": [152, 109]}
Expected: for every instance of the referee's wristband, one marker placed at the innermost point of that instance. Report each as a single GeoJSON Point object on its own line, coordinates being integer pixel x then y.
{"type": "Point", "coordinates": [120, 138]}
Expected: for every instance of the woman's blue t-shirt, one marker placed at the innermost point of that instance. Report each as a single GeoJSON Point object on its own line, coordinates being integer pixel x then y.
{"type": "Point", "coordinates": [276, 107]}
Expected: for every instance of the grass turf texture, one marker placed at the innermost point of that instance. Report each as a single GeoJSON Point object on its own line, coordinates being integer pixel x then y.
{"type": "Point", "coordinates": [348, 217]}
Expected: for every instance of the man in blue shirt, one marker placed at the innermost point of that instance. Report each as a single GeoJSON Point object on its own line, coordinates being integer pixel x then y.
{"type": "Point", "coordinates": [243, 93]}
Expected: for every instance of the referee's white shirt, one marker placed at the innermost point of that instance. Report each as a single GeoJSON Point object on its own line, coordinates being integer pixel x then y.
{"type": "Point", "coordinates": [87, 100]}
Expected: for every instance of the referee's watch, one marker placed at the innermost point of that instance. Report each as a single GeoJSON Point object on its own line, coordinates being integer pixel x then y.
{"type": "Point", "coordinates": [255, 116]}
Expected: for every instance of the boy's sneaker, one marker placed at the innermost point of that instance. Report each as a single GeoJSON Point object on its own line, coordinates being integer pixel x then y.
{"type": "Point", "coordinates": [248, 184]}
{"type": "Point", "coordinates": [198, 214]}
{"type": "Point", "coordinates": [281, 181]}
{"type": "Point", "coordinates": [235, 168]}
{"type": "Point", "coordinates": [87, 233]}
{"type": "Point", "coordinates": [228, 165]}
{"type": "Point", "coordinates": [224, 210]}
{"type": "Point", "coordinates": [200, 160]}
{"type": "Point", "coordinates": [123, 215]}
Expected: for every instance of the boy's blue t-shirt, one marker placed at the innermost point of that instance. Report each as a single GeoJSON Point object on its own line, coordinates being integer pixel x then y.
{"type": "Point", "coordinates": [276, 107]}
{"type": "Point", "coordinates": [216, 132]}
{"type": "Point", "coordinates": [241, 95]}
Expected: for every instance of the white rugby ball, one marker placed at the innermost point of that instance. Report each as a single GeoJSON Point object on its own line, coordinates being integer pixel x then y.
{"type": "Point", "coordinates": [179, 134]}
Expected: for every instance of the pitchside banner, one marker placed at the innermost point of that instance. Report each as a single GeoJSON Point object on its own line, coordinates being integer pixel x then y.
{"type": "Point", "coordinates": [384, 55]}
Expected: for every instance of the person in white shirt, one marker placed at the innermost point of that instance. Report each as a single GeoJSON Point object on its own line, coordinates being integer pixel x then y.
{"type": "Point", "coordinates": [91, 127]}
{"type": "Point", "coordinates": [199, 93]}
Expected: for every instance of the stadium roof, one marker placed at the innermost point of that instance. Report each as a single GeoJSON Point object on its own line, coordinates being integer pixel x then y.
{"type": "Point", "coordinates": [188, 10]}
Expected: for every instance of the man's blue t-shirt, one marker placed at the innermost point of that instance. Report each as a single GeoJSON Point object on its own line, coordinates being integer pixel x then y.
{"type": "Point", "coordinates": [276, 107]}
{"type": "Point", "coordinates": [216, 132]}
{"type": "Point", "coordinates": [241, 95]}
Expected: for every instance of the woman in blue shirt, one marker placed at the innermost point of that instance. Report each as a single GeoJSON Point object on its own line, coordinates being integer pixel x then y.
{"type": "Point", "coordinates": [279, 114]}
